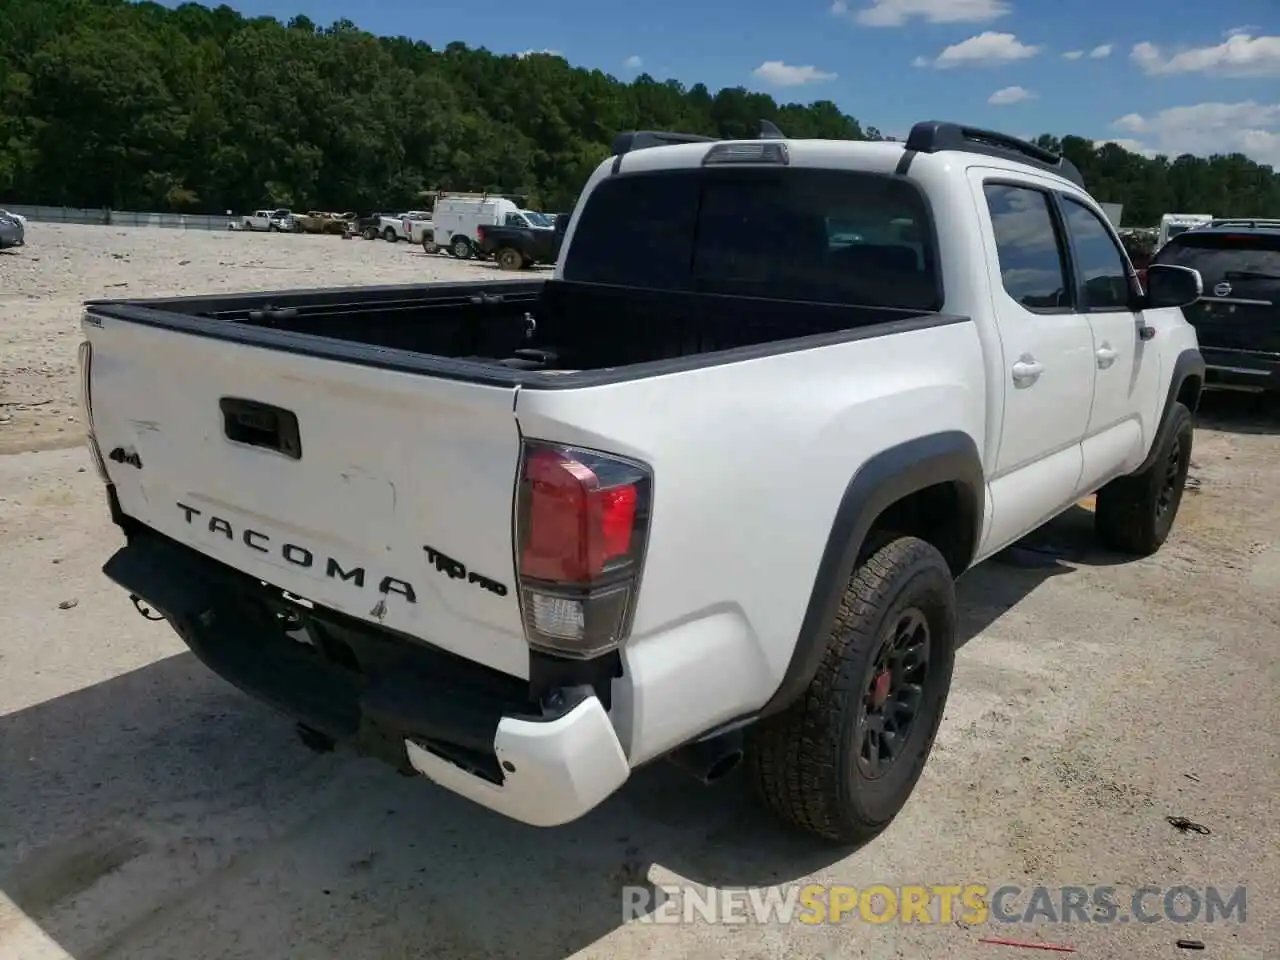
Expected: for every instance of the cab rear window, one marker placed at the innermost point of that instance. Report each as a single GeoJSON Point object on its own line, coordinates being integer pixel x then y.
{"type": "Point", "coordinates": [796, 234]}
{"type": "Point", "coordinates": [1223, 256]}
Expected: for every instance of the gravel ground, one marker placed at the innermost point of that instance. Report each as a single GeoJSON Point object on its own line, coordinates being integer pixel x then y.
{"type": "Point", "coordinates": [148, 810]}
{"type": "Point", "coordinates": [43, 285]}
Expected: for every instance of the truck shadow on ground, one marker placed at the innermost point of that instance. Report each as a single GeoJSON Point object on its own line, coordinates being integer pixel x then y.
{"type": "Point", "coordinates": [1233, 411]}
{"type": "Point", "coordinates": [163, 801]}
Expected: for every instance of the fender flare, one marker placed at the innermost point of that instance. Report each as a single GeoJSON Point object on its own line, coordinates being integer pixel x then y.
{"type": "Point", "coordinates": [899, 471]}
{"type": "Point", "coordinates": [1189, 363]}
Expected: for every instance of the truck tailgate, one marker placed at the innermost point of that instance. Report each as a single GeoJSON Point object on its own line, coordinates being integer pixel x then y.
{"type": "Point", "coordinates": [390, 500]}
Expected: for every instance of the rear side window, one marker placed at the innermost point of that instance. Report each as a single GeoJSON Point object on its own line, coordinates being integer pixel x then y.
{"type": "Point", "coordinates": [1032, 267]}
{"type": "Point", "coordinates": [795, 234]}
{"type": "Point", "coordinates": [1225, 256]}
{"type": "Point", "coordinates": [1099, 260]}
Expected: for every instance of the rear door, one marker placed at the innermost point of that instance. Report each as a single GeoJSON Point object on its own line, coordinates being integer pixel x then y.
{"type": "Point", "coordinates": [1048, 355]}
{"type": "Point", "coordinates": [1240, 309]}
{"type": "Point", "coordinates": [382, 494]}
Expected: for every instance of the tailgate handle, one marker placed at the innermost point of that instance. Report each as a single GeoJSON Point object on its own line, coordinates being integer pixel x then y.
{"type": "Point", "coordinates": [261, 425]}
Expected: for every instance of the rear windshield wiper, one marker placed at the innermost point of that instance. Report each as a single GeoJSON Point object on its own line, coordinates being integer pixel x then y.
{"type": "Point", "coordinates": [1250, 275]}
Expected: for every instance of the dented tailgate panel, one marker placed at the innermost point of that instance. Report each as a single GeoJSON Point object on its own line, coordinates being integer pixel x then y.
{"type": "Point", "coordinates": [385, 495]}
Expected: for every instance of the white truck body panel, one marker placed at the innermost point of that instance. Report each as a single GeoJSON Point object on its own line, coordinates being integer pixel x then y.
{"type": "Point", "coordinates": [463, 215]}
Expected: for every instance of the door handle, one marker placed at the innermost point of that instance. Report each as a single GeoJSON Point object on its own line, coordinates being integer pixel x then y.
{"type": "Point", "coordinates": [1027, 370]}
{"type": "Point", "coordinates": [1106, 356]}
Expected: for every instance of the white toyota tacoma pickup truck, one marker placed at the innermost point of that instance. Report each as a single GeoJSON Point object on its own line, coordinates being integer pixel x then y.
{"type": "Point", "coordinates": [700, 495]}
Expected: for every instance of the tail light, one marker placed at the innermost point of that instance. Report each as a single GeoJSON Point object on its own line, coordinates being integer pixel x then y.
{"type": "Point", "coordinates": [582, 524]}
{"type": "Point", "coordinates": [1142, 277]}
{"type": "Point", "coordinates": [86, 408]}
{"type": "Point", "coordinates": [480, 232]}
{"type": "Point", "coordinates": [407, 227]}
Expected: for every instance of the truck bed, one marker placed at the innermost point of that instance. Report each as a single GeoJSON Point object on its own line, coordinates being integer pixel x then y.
{"type": "Point", "coordinates": [507, 332]}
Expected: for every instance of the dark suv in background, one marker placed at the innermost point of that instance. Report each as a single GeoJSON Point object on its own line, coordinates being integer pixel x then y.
{"type": "Point", "coordinates": [1238, 318]}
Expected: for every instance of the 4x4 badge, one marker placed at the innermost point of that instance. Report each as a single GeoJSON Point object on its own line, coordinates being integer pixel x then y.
{"type": "Point", "coordinates": [1222, 289]}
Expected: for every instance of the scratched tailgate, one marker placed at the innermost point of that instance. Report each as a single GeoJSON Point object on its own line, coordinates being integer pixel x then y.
{"type": "Point", "coordinates": [383, 494]}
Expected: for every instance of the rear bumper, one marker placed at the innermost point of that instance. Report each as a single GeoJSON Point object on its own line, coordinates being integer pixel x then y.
{"type": "Point", "coordinates": [1241, 369]}
{"type": "Point", "coordinates": [468, 728]}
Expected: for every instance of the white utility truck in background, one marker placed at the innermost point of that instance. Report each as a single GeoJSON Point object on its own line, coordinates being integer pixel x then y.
{"type": "Point", "coordinates": [701, 495]}
{"type": "Point", "coordinates": [1172, 224]}
{"type": "Point", "coordinates": [457, 217]}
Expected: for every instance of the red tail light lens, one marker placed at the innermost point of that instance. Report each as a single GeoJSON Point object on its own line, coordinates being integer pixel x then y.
{"type": "Point", "coordinates": [480, 232]}
{"type": "Point", "coordinates": [581, 529]}
{"type": "Point", "coordinates": [1142, 277]}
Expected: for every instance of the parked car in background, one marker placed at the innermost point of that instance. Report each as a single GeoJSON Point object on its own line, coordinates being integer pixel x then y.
{"type": "Point", "coordinates": [366, 227]}
{"type": "Point", "coordinates": [14, 216]}
{"type": "Point", "coordinates": [517, 247]}
{"type": "Point", "coordinates": [458, 217]}
{"type": "Point", "coordinates": [398, 227]}
{"type": "Point", "coordinates": [13, 231]}
{"type": "Point", "coordinates": [273, 221]}
{"type": "Point", "coordinates": [319, 221]}
{"type": "Point", "coordinates": [1237, 320]}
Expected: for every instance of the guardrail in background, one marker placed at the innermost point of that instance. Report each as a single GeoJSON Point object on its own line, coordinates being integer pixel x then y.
{"type": "Point", "coordinates": [120, 218]}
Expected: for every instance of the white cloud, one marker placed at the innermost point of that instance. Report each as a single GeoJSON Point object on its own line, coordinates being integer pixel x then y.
{"type": "Point", "coordinates": [1240, 55]}
{"type": "Point", "coordinates": [532, 53]}
{"type": "Point", "coordinates": [1133, 146]}
{"type": "Point", "coordinates": [985, 50]}
{"type": "Point", "coordinates": [1207, 128]}
{"type": "Point", "coordinates": [896, 13]}
{"type": "Point", "coordinates": [1247, 29]}
{"type": "Point", "coordinates": [1100, 52]}
{"type": "Point", "coordinates": [1010, 95]}
{"type": "Point", "coordinates": [1073, 55]}
{"type": "Point", "coordinates": [781, 74]}
{"type": "Point", "coordinates": [633, 62]}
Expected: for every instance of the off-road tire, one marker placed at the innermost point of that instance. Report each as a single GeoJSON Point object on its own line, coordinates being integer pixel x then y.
{"type": "Point", "coordinates": [389, 235]}
{"type": "Point", "coordinates": [1135, 514]}
{"type": "Point", "coordinates": [370, 233]}
{"type": "Point", "coordinates": [509, 258]}
{"type": "Point", "coordinates": [804, 759]}
{"type": "Point", "coordinates": [460, 247]}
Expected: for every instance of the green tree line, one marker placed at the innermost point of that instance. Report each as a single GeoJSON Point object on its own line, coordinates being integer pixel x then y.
{"type": "Point", "coordinates": [114, 103]}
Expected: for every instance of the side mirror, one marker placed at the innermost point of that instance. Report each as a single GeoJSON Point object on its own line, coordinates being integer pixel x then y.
{"type": "Point", "coordinates": [562, 222]}
{"type": "Point", "coordinates": [1170, 286]}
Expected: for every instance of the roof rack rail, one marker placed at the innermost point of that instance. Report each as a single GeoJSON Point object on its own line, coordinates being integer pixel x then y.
{"type": "Point", "coordinates": [644, 139]}
{"type": "Point", "coordinates": [633, 140]}
{"type": "Point", "coordinates": [1243, 222]}
{"type": "Point", "coordinates": [932, 136]}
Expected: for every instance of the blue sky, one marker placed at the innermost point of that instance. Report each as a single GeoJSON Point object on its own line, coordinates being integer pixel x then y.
{"type": "Point", "coordinates": [1202, 79]}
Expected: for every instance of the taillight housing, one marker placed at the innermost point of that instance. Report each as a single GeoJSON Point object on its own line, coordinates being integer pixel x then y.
{"type": "Point", "coordinates": [1142, 277]}
{"type": "Point", "coordinates": [86, 408]}
{"type": "Point", "coordinates": [581, 529]}
{"type": "Point", "coordinates": [480, 232]}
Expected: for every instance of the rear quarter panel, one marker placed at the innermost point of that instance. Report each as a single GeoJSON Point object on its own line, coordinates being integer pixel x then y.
{"type": "Point", "coordinates": [750, 461]}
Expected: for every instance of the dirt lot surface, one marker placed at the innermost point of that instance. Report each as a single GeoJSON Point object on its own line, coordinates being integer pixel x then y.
{"type": "Point", "coordinates": [43, 285]}
{"type": "Point", "coordinates": [150, 811]}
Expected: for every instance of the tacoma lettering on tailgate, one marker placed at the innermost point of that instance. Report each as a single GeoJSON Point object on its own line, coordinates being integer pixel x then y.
{"type": "Point", "coordinates": [300, 556]}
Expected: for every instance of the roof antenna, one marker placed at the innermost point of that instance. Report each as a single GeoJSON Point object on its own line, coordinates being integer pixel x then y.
{"type": "Point", "coordinates": [769, 131]}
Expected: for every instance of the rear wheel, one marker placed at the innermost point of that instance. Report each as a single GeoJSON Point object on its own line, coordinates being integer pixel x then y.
{"type": "Point", "coordinates": [509, 258]}
{"type": "Point", "coordinates": [369, 233]}
{"type": "Point", "coordinates": [1135, 514]}
{"type": "Point", "coordinates": [843, 760]}
{"type": "Point", "coordinates": [461, 248]}
{"type": "Point", "coordinates": [389, 235]}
